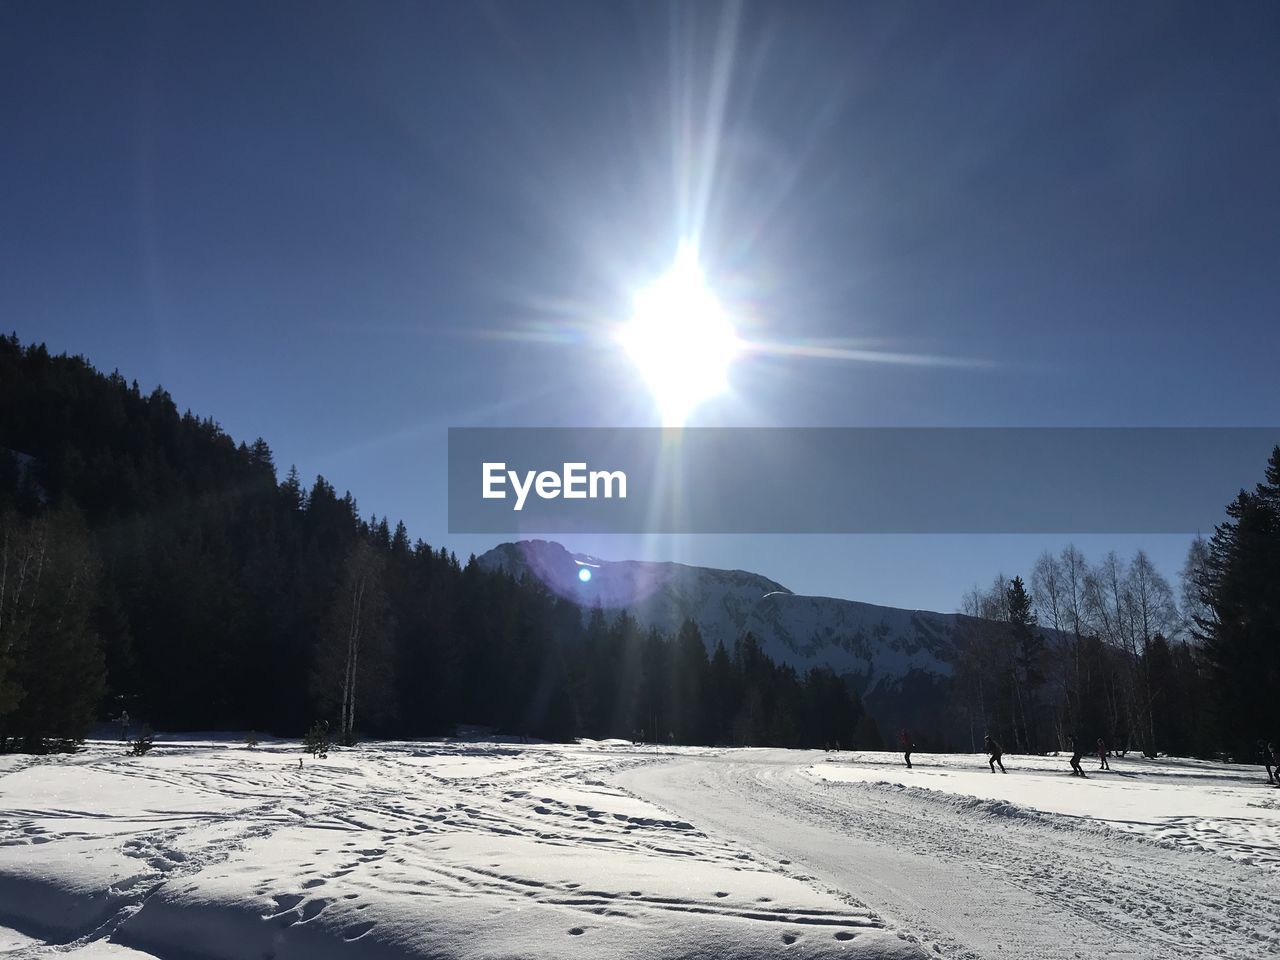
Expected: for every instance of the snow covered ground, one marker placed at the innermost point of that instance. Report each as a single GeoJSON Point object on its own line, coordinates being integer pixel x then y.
{"type": "Point", "coordinates": [1169, 859]}
{"type": "Point", "coordinates": [207, 850]}
{"type": "Point", "coordinates": [1222, 809]}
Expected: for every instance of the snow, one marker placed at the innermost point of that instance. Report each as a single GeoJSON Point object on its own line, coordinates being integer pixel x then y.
{"type": "Point", "coordinates": [205, 848]}
{"type": "Point", "coordinates": [1227, 810]}
{"type": "Point", "coordinates": [985, 874]}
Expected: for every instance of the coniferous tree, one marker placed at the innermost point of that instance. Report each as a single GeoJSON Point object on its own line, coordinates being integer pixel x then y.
{"type": "Point", "coordinates": [1239, 584]}
{"type": "Point", "coordinates": [1028, 655]}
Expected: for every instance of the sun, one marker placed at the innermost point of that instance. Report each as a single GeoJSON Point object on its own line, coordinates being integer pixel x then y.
{"type": "Point", "coordinates": [681, 339]}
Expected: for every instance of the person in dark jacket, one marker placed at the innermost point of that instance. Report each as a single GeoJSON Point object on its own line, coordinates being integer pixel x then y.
{"type": "Point", "coordinates": [904, 739]}
{"type": "Point", "coordinates": [1102, 755]}
{"type": "Point", "coordinates": [1076, 753]}
{"type": "Point", "coordinates": [1272, 759]}
{"type": "Point", "coordinates": [994, 753]}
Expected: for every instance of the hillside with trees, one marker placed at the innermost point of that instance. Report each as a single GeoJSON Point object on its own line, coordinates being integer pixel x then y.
{"type": "Point", "coordinates": [149, 563]}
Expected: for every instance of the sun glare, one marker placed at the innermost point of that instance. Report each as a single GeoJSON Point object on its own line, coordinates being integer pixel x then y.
{"type": "Point", "coordinates": [681, 339]}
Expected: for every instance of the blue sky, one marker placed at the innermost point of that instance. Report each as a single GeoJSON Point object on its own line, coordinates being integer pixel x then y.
{"type": "Point", "coordinates": [347, 227]}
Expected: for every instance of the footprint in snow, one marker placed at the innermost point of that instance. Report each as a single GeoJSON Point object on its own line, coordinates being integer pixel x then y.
{"type": "Point", "coordinates": [788, 938]}
{"type": "Point", "coordinates": [844, 935]}
{"type": "Point", "coordinates": [313, 908]}
{"type": "Point", "coordinates": [576, 932]}
{"type": "Point", "coordinates": [286, 901]}
{"type": "Point", "coordinates": [357, 930]}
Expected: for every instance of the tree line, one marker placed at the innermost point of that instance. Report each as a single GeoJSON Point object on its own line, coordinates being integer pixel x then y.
{"type": "Point", "coordinates": [150, 564]}
{"type": "Point", "coordinates": [1110, 650]}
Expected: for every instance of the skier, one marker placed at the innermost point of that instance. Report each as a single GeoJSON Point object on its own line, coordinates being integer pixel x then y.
{"type": "Point", "coordinates": [904, 739]}
{"type": "Point", "coordinates": [994, 753]}
{"type": "Point", "coordinates": [1267, 751]}
{"type": "Point", "coordinates": [1275, 761]}
{"type": "Point", "coordinates": [1076, 769]}
{"type": "Point", "coordinates": [1102, 755]}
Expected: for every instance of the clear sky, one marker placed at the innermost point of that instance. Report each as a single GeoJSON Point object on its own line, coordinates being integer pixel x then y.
{"type": "Point", "coordinates": [347, 227]}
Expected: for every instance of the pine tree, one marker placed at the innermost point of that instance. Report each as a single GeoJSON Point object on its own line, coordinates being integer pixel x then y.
{"type": "Point", "coordinates": [1240, 584]}
{"type": "Point", "coordinates": [1028, 664]}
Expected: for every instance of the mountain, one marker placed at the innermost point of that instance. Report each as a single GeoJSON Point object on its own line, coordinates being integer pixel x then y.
{"type": "Point", "coordinates": [900, 661]}
{"type": "Point", "coordinates": [661, 595]}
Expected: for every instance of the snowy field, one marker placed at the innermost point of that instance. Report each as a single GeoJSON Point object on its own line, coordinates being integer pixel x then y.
{"type": "Point", "coordinates": [1223, 809]}
{"type": "Point", "coordinates": [205, 850]}
{"type": "Point", "coordinates": [211, 850]}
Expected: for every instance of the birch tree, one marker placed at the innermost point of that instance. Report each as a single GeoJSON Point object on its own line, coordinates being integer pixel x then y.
{"type": "Point", "coordinates": [354, 667]}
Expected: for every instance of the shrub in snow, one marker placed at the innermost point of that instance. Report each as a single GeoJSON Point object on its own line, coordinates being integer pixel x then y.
{"type": "Point", "coordinates": [144, 743]}
{"type": "Point", "coordinates": [317, 741]}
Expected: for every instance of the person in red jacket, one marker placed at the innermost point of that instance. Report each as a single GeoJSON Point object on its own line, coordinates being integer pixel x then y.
{"type": "Point", "coordinates": [904, 739]}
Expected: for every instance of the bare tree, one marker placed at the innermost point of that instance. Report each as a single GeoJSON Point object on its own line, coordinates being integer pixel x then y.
{"type": "Point", "coordinates": [1199, 617]}
{"type": "Point", "coordinates": [354, 665]}
{"type": "Point", "coordinates": [1048, 590]}
{"type": "Point", "coordinates": [51, 668]}
{"type": "Point", "coordinates": [1153, 613]}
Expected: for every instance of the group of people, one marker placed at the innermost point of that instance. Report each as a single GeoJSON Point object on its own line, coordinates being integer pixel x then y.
{"type": "Point", "coordinates": [995, 755]}
{"type": "Point", "coordinates": [1269, 754]}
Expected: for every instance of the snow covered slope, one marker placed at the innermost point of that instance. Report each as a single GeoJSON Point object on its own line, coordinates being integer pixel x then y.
{"type": "Point", "coordinates": [658, 594]}
{"type": "Point", "coordinates": [901, 659]}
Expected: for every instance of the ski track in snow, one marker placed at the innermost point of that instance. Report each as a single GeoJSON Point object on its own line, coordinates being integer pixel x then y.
{"type": "Point", "coordinates": [986, 877]}
{"type": "Point", "coordinates": [206, 850]}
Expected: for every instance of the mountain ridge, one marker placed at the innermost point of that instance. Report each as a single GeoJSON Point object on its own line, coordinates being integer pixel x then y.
{"type": "Point", "coordinates": [900, 661]}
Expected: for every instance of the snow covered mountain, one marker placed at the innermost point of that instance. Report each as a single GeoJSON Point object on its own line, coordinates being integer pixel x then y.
{"type": "Point", "coordinates": [900, 660]}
